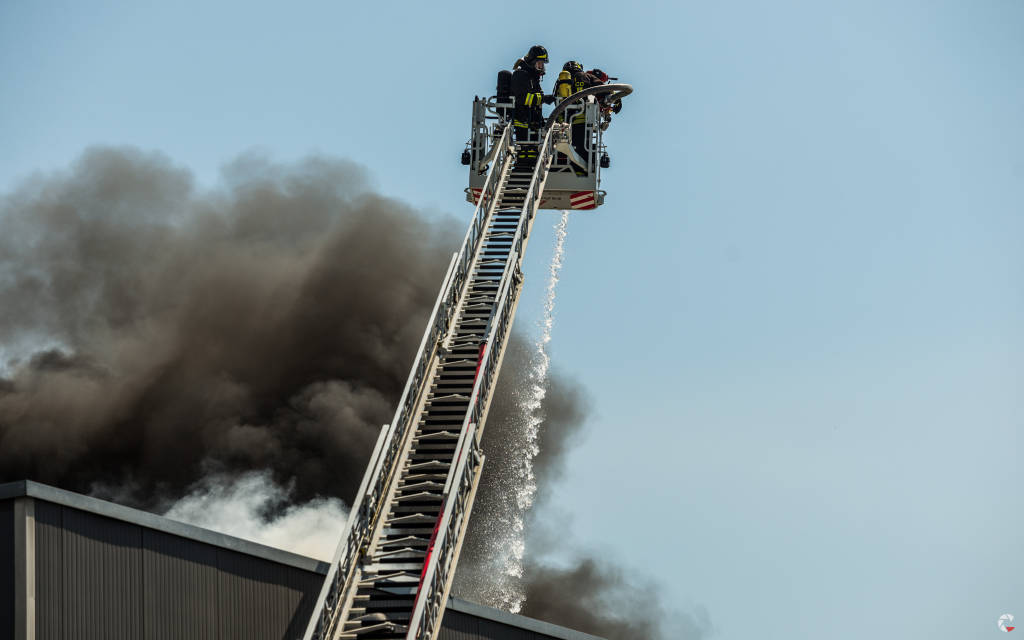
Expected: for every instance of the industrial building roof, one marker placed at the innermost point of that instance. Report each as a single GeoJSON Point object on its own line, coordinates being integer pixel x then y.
{"type": "Point", "coordinates": [78, 501]}
{"type": "Point", "coordinates": [43, 492]}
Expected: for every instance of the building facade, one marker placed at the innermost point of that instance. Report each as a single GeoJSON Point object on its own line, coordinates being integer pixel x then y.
{"type": "Point", "coordinates": [77, 568]}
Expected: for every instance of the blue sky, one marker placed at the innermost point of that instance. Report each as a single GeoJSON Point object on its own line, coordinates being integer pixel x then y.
{"type": "Point", "coordinates": [798, 316]}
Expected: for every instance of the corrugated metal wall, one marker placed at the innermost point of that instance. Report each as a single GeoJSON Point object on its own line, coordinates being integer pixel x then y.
{"type": "Point", "coordinates": [256, 594]}
{"type": "Point", "coordinates": [181, 587]}
{"type": "Point", "coordinates": [49, 570]}
{"type": "Point", "coordinates": [6, 569]}
{"type": "Point", "coordinates": [100, 578]}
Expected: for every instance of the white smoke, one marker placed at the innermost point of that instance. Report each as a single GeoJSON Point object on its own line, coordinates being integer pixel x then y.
{"type": "Point", "coordinates": [508, 591]}
{"type": "Point", "coordinates": [254, 507]}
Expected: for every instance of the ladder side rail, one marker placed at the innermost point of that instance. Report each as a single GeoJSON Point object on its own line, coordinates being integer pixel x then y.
{"type": "Point", "coordinates": [360, 521]}
{"type": "Point", "coordinates": [437, 328]}
{"type": "Point", "coordinates": [531, 202]}
{"type": "Point", "coordinates": [482, 385]}
{"type": "Point", "coordinates": [435, 582]}
{"type": "Point", "coordinates": [430, 599]}
{"type": "Point", "coordinates": [369, 500]}
{"type": "Point", "coordinates": [341, 564]}
{"type": "Point", "coordinates": [488, 197]}
{"type": "Point", "coordinates": [488, 158]}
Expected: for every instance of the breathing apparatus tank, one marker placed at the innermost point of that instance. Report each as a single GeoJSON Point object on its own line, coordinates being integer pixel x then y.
{"type": "Point", "coordinates": [503, 92]}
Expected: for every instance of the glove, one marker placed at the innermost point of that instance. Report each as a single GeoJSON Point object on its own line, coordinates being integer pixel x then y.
{"type": "Point", "coordinates": [600, 75]}
{"type": "Point", "coordinates": [548, 99]}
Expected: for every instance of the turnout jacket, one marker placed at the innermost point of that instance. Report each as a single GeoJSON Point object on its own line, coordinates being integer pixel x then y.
{"type": "Point", "coordinates": [529, 96]}
{"type": "Point", "coordinates": [570, 83]}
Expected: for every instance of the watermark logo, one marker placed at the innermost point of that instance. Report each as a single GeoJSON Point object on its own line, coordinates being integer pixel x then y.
{"type": "Point", "coordinates": [1006, 622]}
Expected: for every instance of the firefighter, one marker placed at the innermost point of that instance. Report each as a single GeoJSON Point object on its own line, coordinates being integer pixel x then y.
{"type": "Point", "coordinates": [574, 79]}
{"type": "Point", "coordinates": [527, 118]}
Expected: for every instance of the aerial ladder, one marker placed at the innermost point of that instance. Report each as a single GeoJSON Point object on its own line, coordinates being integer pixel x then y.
{"type": "Point", "coordinates": [394, 565]}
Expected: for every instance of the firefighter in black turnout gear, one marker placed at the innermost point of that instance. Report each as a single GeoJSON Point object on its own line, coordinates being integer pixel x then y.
{"type": "Point", "coordinates": [574, 79]}
{"type": "Point", "coordinates": [527, 118]}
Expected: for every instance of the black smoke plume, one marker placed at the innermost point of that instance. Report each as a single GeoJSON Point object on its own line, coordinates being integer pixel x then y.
{"type": "Point", "coordinates": [154, 336]}
{"type": "Point", "coordinates": [166, 334]}
{"type": "Point", "coordinates": [596, 596]}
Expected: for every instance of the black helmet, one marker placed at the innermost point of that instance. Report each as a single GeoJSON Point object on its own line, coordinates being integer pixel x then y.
{"type": "Point", "coordinates": [572, 66]}
{"type": "Point", "coordinates": [537, 52]}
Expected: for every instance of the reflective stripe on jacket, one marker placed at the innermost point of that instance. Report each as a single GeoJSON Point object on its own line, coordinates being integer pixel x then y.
{"type": "Point", "coordinates": [528, 96]}
{"type": "Point", "coordinates": [582, 80]}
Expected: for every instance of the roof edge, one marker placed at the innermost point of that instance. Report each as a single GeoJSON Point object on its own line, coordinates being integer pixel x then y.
{"type": "Point", "coordinates": [518, 621]}
{"type": "Point", "coordinates": [39, 491]}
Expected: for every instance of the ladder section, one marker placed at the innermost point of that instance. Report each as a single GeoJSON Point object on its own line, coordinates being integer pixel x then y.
{"type": "Point", "coordinates": [392, 572]}
{"type": "Point", "coordinates": [514, 190]}
{"type": "Point", "coordinates": [508, 233]}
